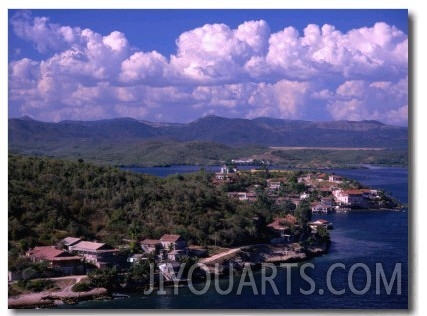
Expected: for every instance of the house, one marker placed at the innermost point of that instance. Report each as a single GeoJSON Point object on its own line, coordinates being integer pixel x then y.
{"type": "Point", "coordinates": [226, 174]}
{"type": "Point", "coordinates": [151, 245]}
{"type": "Point", "coordinates": [326, 201]}
{"type": "Point", "coordinates": [282, 226]}
{"type": "Point", "coordinates": [68, 242]}
{"type": "Point", "coordinates": [370, 194]}
{"type": "Point", "coordinates": [56, 259]}
{"type": "Point", "coordinates": [273, 185]}
{"type": "Point", "coordinates": [319, 208]}
{"type": "Point", "coordinates": [350, 197]}
{"type": "Point", "coordinates": [176, 255]}
{"type": "Point", "coordinates": [336, 179]}
{"type": "Point", "coordinates": [305, 195]}
{"type": "Point", "coordinates": [242, 196]}
{"type": "Point", "coordinates": [320, 222]}
{"type": "Point", "coordinates": [98, 254]}
{"type": "Point", "coordinates": [173, 242]}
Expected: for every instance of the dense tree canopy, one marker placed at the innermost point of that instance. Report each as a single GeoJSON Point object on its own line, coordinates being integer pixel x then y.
{"type": "Point", "coordinates": [50, 199]}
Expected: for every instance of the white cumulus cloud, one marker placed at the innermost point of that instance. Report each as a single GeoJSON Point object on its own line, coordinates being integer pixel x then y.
{"type": "Point", "coordinates": [247, 71]}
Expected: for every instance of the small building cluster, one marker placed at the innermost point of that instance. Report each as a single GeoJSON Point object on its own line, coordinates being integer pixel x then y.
{"type": "Point", "coordinates": [168, 247]}
{"type": "Point", "coordinates": [74, 256]}
{"type": "Point", "coordinates": [287, 230]}
{"type": "Point", "coordinates": [225, 175]}
{"type": "Point", "coordinates": [330, 195]}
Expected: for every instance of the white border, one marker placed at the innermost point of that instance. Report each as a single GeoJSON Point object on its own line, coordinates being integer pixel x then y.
{"type": "Point", "coordinates": [417, 109]}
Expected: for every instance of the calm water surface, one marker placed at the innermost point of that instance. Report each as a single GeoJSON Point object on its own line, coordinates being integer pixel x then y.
{"type": "Point", "coordinates": [366, 246]}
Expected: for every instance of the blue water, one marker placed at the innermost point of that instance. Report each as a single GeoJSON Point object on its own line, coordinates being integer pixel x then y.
{"type": "Point", "coordinates": [368, 249]}
{"type": "Point", "coordinates": [178, 169]}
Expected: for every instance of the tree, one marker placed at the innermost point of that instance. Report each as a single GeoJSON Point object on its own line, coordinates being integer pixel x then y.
{"type": "Point", "coordinates": [140, 270]}
{"type": "Point", "coordinates": [303, 212]}
{"type": "Point", "coordinates": [105, 277]}
{"type": "Point", "coordinates": [323, 234]}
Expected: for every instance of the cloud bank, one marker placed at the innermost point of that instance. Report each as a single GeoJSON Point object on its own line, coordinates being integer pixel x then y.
{"type": "Point", "coordinates": [244, 72]}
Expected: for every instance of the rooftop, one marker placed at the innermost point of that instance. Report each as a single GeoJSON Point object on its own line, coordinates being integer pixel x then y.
{"type": "Point", "coordinates": [150, 241]}
{"type": "Point", "coordinates": [170, 238]}
{"type": "Point", "coordinates": [69, 241]}
{"type": "Point", "coordinates": [49, 253]}
{"type": "Point", "coordinates": [90, 246]}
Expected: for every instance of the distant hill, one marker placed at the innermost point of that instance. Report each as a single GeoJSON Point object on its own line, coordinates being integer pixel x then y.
{"type": "Point", "coordinates": [206, 140]}
{"type": "Point", "coordinates": [260, 131]}
{"type": "Point", "coordinates": [277, 132]}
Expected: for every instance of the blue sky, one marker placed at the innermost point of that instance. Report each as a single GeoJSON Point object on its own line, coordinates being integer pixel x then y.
{"type": "Point", "coordinates": [179, 65]}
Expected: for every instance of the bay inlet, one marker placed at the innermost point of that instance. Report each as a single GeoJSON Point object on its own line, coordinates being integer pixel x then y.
{"type": "Point", "coordinates": [366, 266]}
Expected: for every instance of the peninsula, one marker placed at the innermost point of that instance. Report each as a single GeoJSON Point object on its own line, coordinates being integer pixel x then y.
{"type": "Point", "coordinates": [111, 227]}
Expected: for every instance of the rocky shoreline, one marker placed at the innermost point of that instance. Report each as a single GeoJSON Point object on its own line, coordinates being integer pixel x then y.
{"type": "Point", "coordinates": [256, 255]}
{"type": "Point", "coordinates": [51, 299]}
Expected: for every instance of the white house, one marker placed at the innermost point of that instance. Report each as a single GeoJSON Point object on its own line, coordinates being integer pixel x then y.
{"type": "Point", "coordinates": [99, 254]}
{"type": "Point", "coordinates": [305, 195]}
{"type": "Point", "coordinates": [352, 197]}
{"type": "Point", "coordinates": [336, 179]}
{"type": "Point", "coordinates": [319, 208]}
{"type": "Point", "coordinates": [242, 196]}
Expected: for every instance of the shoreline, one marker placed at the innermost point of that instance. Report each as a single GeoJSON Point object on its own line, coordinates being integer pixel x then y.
{"type": "Point", "coordinates": [51, 299]}
{"type": "Point", "coordinates": [254, 255]}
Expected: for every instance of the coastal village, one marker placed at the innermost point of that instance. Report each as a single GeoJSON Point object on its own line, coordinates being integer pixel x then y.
{"type": "Point", "coordinates": [324, 193]}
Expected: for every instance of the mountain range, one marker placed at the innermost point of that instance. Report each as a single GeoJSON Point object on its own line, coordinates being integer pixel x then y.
{"type": "Point", "coordinates": [226, 131]}
{"type": "Point", "coordinates": [208, 140]}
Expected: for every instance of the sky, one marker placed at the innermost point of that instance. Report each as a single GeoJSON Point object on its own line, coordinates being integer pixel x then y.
{"type": "Point", "coordinates": [177, 65]}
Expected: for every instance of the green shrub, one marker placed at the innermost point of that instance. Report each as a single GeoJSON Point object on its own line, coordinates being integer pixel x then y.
{"type": "Point", "coordinates": [81, 287]}
{"type": "Point", "coordinates": [38, 285]}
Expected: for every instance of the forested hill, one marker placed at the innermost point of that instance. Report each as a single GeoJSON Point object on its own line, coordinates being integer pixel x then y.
{"type": "Point", "coordinates": [50, 199]}
{"type": "Point", "coordinates": [26, 133]}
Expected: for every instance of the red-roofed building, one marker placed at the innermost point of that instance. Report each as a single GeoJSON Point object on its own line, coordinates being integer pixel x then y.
{"type": "Point", "coordinates": [56, 259]}
{"type": "Point", "coordinates": [282, 225]}
{"type": "Point", "coordinates": [350, 197]}
{"type": "Point", "coordinates": [174, 242]}
{"type": "Point", "coordinates": [69, 241]}
{"type": "Point", "coordinates": [99, 254]}
{"type": "Point", "coordinates": [151, 245]}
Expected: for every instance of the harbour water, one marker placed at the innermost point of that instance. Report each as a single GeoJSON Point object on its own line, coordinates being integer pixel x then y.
{"type": "Point", "coordinates": [366, 267]}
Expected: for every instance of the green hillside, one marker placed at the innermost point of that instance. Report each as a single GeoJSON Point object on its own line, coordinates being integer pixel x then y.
{"type": "Point", "coordinates": [50, 199]}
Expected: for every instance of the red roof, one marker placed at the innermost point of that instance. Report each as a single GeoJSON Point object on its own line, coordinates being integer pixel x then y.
{"type": "Point", "coordinates": [49, 253]}
{"type": "Point", "coordinates": [170, 238]}
{"type": "Point", "coordinates": [282, 222]}
{"type": "Point", "coordinates": [150, 242]}
{"type": "Point", "coordinates": [352, 192]}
